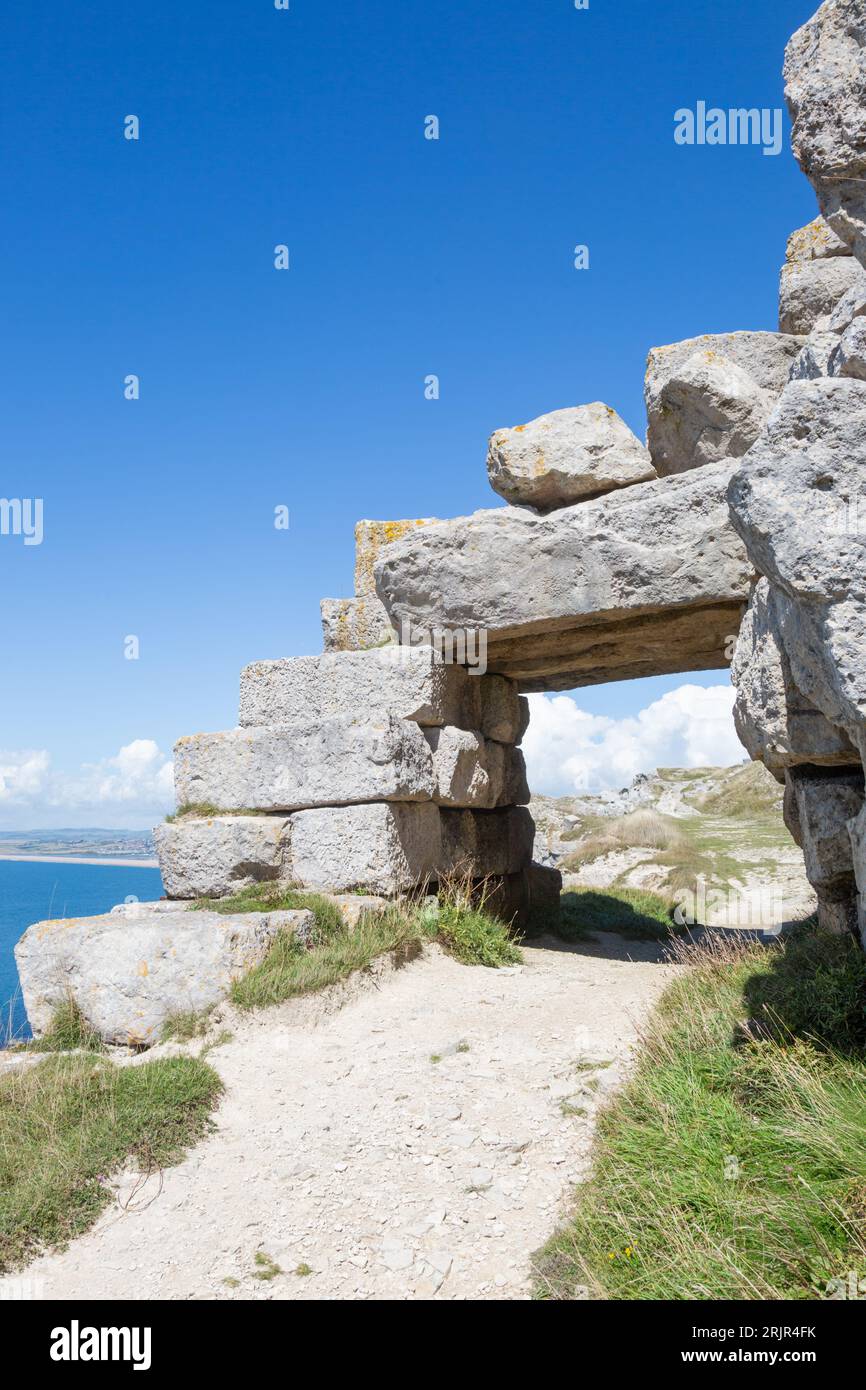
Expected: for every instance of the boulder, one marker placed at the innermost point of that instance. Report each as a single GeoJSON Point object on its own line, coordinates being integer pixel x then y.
{"type": "Point", "coordinates": [815, 241]}
{"type": "Point", "coordinates": [646, 581]}
{"type": "Point", "coordinates": [338, 761]}
{"type": "Point", "coordinates": [382, 849]}
{"type": "Point", "coordinates": [354, 624]}
{"type": "Point", "coordinates": [529, 900]}
{"type": "Point", "coordinates": [213, 856]}
{"type": "Point", "coordinates": [825, 87]}
{"type": "Point", "coordinates": [810, 290]}
{"type": "Point", "coordinates": [707, 398]}
{"type": "Point", "coordinates": [131, 970]}
{"type": "Point", "coordinates": [566, 457]}
{"type": "Point", "coordinates": [775, 721]}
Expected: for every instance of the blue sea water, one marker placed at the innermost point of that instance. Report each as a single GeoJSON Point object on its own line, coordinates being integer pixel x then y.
{"type": "Point", "coordinates": [32, 892]}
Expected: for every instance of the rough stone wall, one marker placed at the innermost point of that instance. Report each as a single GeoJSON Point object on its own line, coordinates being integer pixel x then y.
{"type": "Point", "coordinates": [798, 501]}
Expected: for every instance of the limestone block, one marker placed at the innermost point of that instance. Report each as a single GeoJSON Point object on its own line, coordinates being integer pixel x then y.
{"type": "Point", "coordinates": [131, 970]}
{"type": "Point", "coordinates": [565, 457]}
{"type": "Point", "coordinates": [355, 624]}
{"type": "Point", "coordinates": [810, 290]}
{"type": "Point", "coordinates": [412, 683]}
{"type": "Point", "coordinates": [708, 398]}
{"type": "Point", "coordinates": [211, 857]}
{"type": "Point", "coordinates": [290, 767]}
{"type": "Point", "coordinates": [382, 849]}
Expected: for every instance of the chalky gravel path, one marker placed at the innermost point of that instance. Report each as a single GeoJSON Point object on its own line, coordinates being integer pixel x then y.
{"type": "Point", "coordinates": [414, 1134]}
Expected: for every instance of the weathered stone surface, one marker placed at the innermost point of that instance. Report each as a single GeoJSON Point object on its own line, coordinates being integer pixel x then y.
{"type": "Point", "coordinates": [852, 305]}
{"type": "Point", "coordinates": [213, 856]}
{"type": "Point", "coordinates": [810, 290]}
{"type": "Point", "coordinates": [354, 624]}
{"type": "Point", "coordinates": [774, 720]}
{"type": "Point", "coordinates": [815, 241]}
{"type": "Point", "coordinates": [482, 843]}
{"type": "Point", "coordinates": [409, 682]}
{"type": "Point", "coordinates": [825, 87]}
{"type": "Point", "coordinates": [383, 849]}
{"type": "Point", "coordinates": [797, 501]}
{"type": "Point", "coordinates": [370, 536]}
{"type": "Point", "coordinates": [132, 969]}
{"type": "Point", "coordinates": [850, 356]}
{"type": "Point", "coordinates": [707, 398]}
{"type": "Point", "coordinates": [649, 580]}
{"type": "Point", "coordinates": [816, 357]}
{"type": "Point", "coordinates": [529, 899]}
{"type": "Point", "coordinates": [471, 770]}
{"type": "Point", "coordinates": [823, 804]}
{"type": "Point", "coordinates": [335, 762]}
{"type": "Point", "coordinates": [857, 833]}
{"type": "Point", "coordinates": [566, 457]}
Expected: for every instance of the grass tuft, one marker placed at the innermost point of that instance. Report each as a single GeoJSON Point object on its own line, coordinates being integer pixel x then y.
{"type": "Point", "coordinates": [68, 1031]}
{"type": "Point", "coordinates": [68, 1123]}
{"type": "Point", "coordinates": [729, 1168]}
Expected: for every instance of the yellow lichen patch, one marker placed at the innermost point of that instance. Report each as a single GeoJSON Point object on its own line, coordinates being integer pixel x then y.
{"type": "Point", "coordinates": [142, 968]}
{"type": "Point", "coordinates": [370, 536]}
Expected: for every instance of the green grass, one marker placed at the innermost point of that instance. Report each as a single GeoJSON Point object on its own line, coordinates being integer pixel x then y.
{"type": "Point", "coordinates": [68, 1123]}
{"type": "Point", "coordinates": [205, 810]}
{"type": "Point", "coordinates": [337, 951]}
{"type": "Point", "coordinates": [743, 791]}
{"type": "Point", "coordinates": [474, 937]}
{"type": "Point", "coordinates": [731, 1168]}
{"type": "Point", "coordinates": [67, 1032]}
{"type": "Point", "coordinates": [274, 897]}
{"type": "Point", "coordinates": [631, 912]}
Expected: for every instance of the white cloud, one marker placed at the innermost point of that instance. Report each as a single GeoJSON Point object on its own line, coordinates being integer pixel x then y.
{"type": "Point", "coordinates": [132, 789]}
{"type": "Point", "coordinates": [568, 750]}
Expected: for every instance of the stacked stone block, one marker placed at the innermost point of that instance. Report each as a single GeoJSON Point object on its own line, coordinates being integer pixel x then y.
{"type": "Point", "coordinates": [379, 770]}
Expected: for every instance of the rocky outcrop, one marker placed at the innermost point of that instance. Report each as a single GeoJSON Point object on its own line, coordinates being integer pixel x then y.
{"type": "Point", "coordinates": [825, 87]}
{"type": "Point", "coordinates": [133, 969]}
{"type": "Point", "coordinates": [565, 457]}
{"type": "Point", "coordinates": [708, 398]}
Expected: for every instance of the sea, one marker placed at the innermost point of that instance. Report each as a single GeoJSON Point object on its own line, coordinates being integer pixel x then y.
{"type": "Point", "coordinates": [31, 891]}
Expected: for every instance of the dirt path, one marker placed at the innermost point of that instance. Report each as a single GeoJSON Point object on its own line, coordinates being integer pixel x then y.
{"type": "Point", "coordinates": [343, 1145]}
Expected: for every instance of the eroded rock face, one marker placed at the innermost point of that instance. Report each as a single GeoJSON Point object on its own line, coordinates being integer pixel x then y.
{"type": "Point", "coordinates": [647, 580]}
{"type": "Point", "coordinates": [566, 457]}
{"type": "Point", "coordinates": [132, 969]}
{"type": "Point", "coordinates": [825, 87]}
{"type": "Point", "coordinates": [708, 398]}
{"type": "Point", "coordinates": [797, 502]}
{"type": "Point", "coordinates": [819, 805]}
{"type": "Point", "coordinates": [814, 242]}
{"type": "Point", "coordinates": [775, 721]}
{"type": "Point", "coordinates": [810, 290]}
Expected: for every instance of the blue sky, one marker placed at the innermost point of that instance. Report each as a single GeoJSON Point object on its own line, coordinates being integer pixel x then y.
{"type": "Point", "coordinates": [305, 388]}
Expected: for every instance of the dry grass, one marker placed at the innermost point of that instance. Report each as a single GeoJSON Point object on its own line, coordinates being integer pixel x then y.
{"type": "Point", "coordinates": [642, 829]}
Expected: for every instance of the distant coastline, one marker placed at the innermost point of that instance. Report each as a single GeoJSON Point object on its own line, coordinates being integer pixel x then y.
{"type": "Point", "coordinates": [79, 859]}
